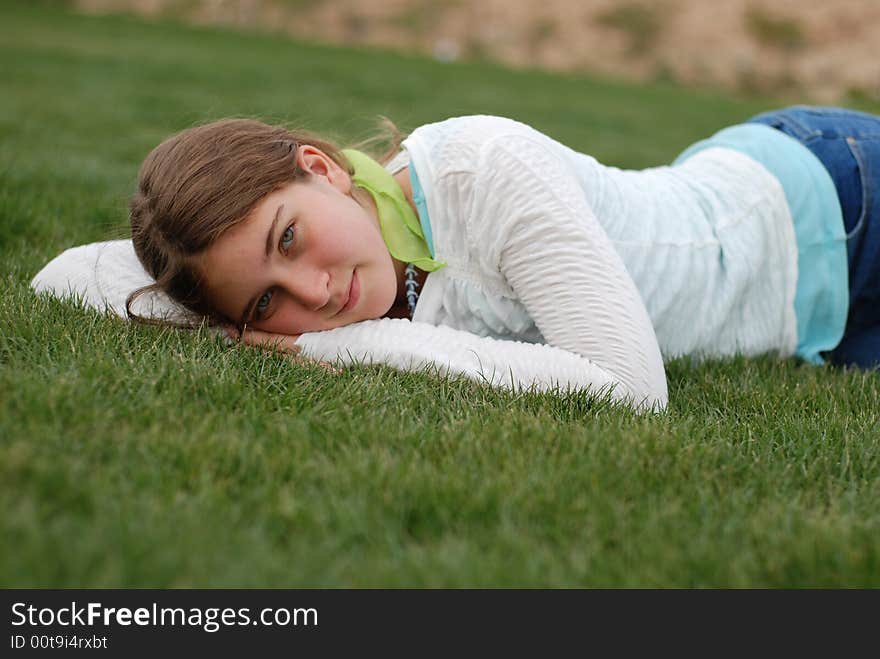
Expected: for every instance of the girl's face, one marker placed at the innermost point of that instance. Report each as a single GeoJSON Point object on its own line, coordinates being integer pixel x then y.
{"type": "Point", "coordinates": [308, 258]}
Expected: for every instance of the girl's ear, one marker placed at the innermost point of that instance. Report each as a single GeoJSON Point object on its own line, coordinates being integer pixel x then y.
{"type": "Point", "coordinates": [316, 163]}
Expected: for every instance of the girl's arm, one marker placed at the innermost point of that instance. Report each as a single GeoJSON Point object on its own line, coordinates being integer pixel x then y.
{"type": "Point", "coordinates": [541, 233]}
{"type": "Point", "coordinates": [510, 364]}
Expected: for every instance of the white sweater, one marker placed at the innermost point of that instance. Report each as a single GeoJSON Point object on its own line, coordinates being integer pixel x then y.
{"type": "Point", "coordinates": [544, 244]}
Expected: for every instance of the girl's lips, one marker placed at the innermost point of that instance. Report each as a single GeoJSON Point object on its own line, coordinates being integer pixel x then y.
{"type": "Point", "coordinates": [354, 292]}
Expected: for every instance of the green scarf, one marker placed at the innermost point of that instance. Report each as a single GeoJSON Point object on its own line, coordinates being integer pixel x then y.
{"type": "Point", "coordinates": [401, 229]}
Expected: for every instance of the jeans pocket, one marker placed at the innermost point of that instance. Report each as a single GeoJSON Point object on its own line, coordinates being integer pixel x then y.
{"type": "Point", "coordinates": [864, 165]}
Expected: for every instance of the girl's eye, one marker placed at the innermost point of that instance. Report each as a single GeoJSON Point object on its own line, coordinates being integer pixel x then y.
{"type": "Point", "coordinates": [263, 303]}
{"type": "Point", "coordinates": [287, 238]}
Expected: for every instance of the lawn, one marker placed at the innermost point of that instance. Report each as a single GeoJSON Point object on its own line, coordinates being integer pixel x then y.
{"type": "Point", "coordinates": [141, 457]}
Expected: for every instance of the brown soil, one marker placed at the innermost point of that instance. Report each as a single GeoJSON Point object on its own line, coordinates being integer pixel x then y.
{"type": "Point", "coordinates": [823, 50]}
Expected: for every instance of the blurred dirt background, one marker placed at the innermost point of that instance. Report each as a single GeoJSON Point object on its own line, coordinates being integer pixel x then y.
{"type": "Point", "coordinates": [817, 50]}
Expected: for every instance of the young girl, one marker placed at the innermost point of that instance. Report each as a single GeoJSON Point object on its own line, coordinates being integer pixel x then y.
{"type": "Point", "coordinates": [758, 239]}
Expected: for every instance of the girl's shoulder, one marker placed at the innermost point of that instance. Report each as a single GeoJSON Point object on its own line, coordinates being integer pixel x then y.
{"type": "Point", "coordinates": [477, 128]}
{"type": "Point", "coordinates": [457, 143]}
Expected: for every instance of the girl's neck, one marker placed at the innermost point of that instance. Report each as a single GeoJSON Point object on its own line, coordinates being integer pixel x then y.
{"type": "Point", "coordinates": [400, 303]}
{"type": "Point", "coordinates": [402, 178]}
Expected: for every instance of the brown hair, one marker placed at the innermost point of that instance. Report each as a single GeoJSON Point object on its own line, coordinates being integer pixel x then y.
{"type": "Point", "coordinates": [201, 182]}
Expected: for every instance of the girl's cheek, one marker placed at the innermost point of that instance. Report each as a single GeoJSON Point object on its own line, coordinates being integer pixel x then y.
{"type": "Point", "coordinates": [289, 320]}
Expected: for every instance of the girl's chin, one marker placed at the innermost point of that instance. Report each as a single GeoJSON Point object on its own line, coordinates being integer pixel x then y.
{"type": "Point", "coordinates": [383, 307]}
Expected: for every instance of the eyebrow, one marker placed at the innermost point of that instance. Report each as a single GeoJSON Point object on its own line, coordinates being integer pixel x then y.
{"type": "Point", "coordinates": [248, 309]}
{"type": "Point", "coordinates": [269, 241]}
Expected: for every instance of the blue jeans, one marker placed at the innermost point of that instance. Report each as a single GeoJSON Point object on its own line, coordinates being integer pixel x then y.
{"type": "Point", "coordinates": [848, 145]}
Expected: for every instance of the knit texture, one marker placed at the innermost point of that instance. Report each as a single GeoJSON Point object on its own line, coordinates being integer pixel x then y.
{"type": "Point", "coordinates": [545, 244]}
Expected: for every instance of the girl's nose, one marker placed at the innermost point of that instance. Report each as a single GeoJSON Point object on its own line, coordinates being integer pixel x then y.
{"type": "Point", "coordinates": [311, 289]}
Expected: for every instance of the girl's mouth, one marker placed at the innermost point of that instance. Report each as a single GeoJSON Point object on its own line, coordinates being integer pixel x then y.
{"type": "Point", "coordinates": [354, 292]}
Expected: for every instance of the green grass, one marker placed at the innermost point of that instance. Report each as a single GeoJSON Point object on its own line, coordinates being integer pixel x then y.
{"type": "Point", "coordinates": [132, 456]}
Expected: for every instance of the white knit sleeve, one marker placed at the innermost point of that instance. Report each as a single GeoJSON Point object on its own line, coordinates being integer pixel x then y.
{"type": "Point", "coordinates": [413, 346]}
{"type": "Point", "coordinates": [554, 254]}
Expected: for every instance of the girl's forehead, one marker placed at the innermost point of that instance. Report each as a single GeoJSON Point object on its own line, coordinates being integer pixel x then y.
{"type": "Point", "coordinates": [287, 194]}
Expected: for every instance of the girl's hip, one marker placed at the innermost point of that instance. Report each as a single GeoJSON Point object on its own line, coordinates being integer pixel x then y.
{"type": "Point", "coordinates": [847, 143]}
